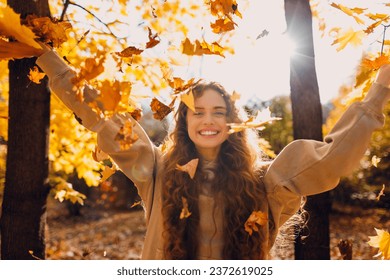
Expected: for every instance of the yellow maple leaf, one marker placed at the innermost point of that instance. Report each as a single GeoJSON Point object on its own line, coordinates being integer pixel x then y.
{"type": "Point", "coordinates": [381, 241]}
{"type": "Point", "coordinates": [189, 167]}
{"type": "Point", "coordinates": [10, 26]}
{"type": "Point", "coordinates": [35, 76]}
{"type": "Point", "coordinates": [107, 172]}
{"type": "Point", "coordinates": [188, 99]}
{"type": "Point", "coordinates": [348, 37]}
{"type": "Point", "coordinates": [185, 213]}
{"type": "Point", "coordinates": [256, 218]}
{"type": "Point", "coordinates": [201, 48]}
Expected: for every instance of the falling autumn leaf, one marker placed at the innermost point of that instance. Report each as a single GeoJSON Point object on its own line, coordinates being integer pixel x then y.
{"type": "Point", "coordinates": [188, 99]}
{"type": "Point", "coordinates": [110, 94]}
{"type": "Point", "coordinates": [381, 241]}
{"type": "Point", "coordinates": [153, 40]}
{"type": "Point", "coordinates": [107, 172]}
{"type": "Point", "coordinates": [185, 213]}
{"type": "Point", "coordinates": [136, 203]}
{"type": "Point", "coordinates": [189, 167]}
{"type": "Point", "coordinates": [375, 160]}
{"type": "Point", "coordinates": [10, 26]}
{"type": "Point", "coordinates": [259, 121]}
{"type": "Point", "coordinates": [376, 63]}
{"type": "Point", "coordinates": [178, 84]}
{"type": "Point", "coordinates": [136, 114]}
{"type": "Point", "coordinates": [16, 50]}
{"type": "Point", "coordinates": [235, 96]}
{"type": "Point", "coordinates": [222, 25]}
{"type": "Point", "coordinates": [348, 37]}
{"type": "Point", "coordinates": [381, 193]}
{"type": "Point", "coordinates": [125, 136]}
{"type": "Point", "coordinates": [201, 48]}
{"type": "Point", "coordinates": [98, 155]}
{"type": "Point", "coordinates": [159, 109]}
{"type": "Point", "coordinates": [129, 51]}
{"type": "Point", "coordinates": [35, 76]}
{"type": "Point", "coordinates": [350, 12]}
{"type": "Point", "coordinates": [255, 219]}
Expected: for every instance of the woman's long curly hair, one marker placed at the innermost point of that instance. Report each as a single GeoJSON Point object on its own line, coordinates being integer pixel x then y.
{"type": "Point", "coordinates": [237, 186]}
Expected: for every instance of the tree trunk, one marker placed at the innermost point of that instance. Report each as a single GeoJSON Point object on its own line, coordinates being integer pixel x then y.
{"type": "Point", "coordinates": [26, 187]}
{"type": "Point", "coordinates": [307, 123]}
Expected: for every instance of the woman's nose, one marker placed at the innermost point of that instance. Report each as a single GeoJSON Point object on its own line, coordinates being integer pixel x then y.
{"type": "Point", "coordinates": [208, 118]}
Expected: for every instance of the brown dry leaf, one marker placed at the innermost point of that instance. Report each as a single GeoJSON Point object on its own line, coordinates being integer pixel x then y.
{"type": "Point", "coordinates": [10, 26]}
{"type": "Point", "coordinates": [381, 193]}
{"type": "Point", "coordinates": [49, 30]}
{"type": "Point", "coordinates": [35, 76]}
{"type": "Point", "coordinates": [136, 113]}
{"type": "Point", "coordinates": [153, 40]}
{"type": "Point", "coordinates": [189, 167]}
{"type": "Point", "coordinates": [159, 109]}
{"type": "Point", "coordinates": [179, 84]}
{"type": "Point", "coordinates": [125, 136]}
{"type": "Point", "coordinates": [185, 213]}
{"type": "Point", "coordinates": [107, 172]}
{"type": "Point", "coordinates": [255, 219]}
{"type": "Point", "coordinates": [129, 52]}
{"type": "Point", "coordinates": [222, 25]}
{"type": "Point", "coordinates": [98, 155]}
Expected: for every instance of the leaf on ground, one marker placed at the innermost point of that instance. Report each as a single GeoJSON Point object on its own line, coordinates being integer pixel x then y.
{"type": "Point", "coordinates": [159, 109]}
{"type": "Point", "coordinates": [185, 213]}
{"type": "Point", "coordinates": [255, 219]}
{"type": "Point", "coordinates": [35, 76]}
{"type": "Point", "coordinates": [10, 26]}
{"type": "Point", "coordinates": [126, 137]}
{"type": "Point", "coordinates": [189, 167]}
{"type": "Point", "coordinates": [381, 241]}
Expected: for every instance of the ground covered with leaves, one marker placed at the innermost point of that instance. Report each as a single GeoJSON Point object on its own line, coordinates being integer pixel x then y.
{"type": "Point", "coordinates": [100, 233]}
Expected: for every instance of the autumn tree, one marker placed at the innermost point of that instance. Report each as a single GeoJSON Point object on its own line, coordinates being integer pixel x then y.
{"type": "Point", "coordinates": [23, 216]}
{"type": "Point", "coordinates": [307, 122]}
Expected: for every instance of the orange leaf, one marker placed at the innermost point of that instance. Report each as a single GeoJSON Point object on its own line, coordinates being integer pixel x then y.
{"type": "Point", "coordinates": [256, 218]}
{"type": "Point", "coordinates": [107, 172]}
{"type": "Point", "coordinates": [185, 213]}
{"type": "Point", "coordinates": [222, 25]}
{"type": "Point", "coordinates": [125, 136]}
{"type": "Point", "coordinates": [189, 167]}
{"type": "Point", "coordinates": [152, 40]}
{"type": "Point", "coordinates": [110, 94]}
{"type": "Point", "coordinates": [11, 50]}
{"type": "Point", "coordinates": [159, 109]}
{"type": "Point", "coordinates": [201, 48]}
{"type": "Point", "coordinates": [35, 76]}
{"type": "Point", "coordinates": [98, 155]}
{"type": "Point", "coordinates": [258, 122]}
{"type": "Point", "coordinates": [376, 63]}
{"type": "Point", "coordinates": [188, 99]}
{"type": "Point", "coordinates": [129, 51]}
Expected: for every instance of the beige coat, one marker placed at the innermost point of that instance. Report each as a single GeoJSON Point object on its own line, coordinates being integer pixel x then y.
{"type": "Point", "coordinates": [304, 167]}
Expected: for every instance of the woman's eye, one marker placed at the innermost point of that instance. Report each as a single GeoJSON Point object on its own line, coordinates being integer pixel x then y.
{"type": "Point", "coordinates": [220, 114]}
{"type": "Point", "coordinates": [198, 113]}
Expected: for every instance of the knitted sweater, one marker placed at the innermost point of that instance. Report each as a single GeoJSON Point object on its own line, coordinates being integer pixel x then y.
{"type": "Point", "coordinates": [304, 167]}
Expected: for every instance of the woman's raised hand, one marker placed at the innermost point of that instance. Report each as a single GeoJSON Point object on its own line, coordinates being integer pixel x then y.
{"type": "Point", "coordinates": [383, 76]}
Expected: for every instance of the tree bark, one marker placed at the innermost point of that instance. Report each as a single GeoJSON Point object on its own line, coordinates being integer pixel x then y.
{"type": "Point", "coordinates": [26, 188]}
{"type": "Point", "coordinates": [307, 123]}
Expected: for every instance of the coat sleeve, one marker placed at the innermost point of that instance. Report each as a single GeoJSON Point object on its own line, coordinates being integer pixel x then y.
{"type": "Point", "coordinates": [307, 167]}
{"type": "Point", "coordinates": [138, 161]}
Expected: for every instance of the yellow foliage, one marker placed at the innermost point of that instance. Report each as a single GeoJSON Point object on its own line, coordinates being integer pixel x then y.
{"type": "Point", "coordinates": [381, 241]}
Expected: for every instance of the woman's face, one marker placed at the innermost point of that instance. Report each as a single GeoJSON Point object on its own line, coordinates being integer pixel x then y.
{"type": "Point", "coordinates": [207, 126]}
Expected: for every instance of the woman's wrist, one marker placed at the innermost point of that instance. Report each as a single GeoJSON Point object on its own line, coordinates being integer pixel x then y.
{"type": "Point", "coordinates": [383, 77]}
